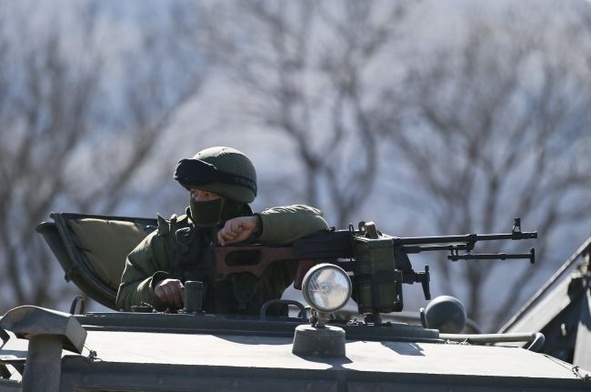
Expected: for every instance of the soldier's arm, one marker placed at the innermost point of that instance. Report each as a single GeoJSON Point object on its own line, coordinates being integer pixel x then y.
{"type": "Point", "coordinates": [283, 225]}
{"type": "Point", "coordinates": [145, 266]}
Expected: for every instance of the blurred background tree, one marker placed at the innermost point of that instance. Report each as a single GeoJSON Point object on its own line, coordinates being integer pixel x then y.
{"type": "Point", "coordinates": [308, 70]}
{"type": "Point", "coordinates": [426, 117]}
{"type": "Point", "coordinates": [495, 126]}
{"type": "Point", "coordinates": [81, 116]}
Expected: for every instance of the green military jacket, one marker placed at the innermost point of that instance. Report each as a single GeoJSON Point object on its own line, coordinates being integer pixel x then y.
{"type": "Point", "coordinates": [180, 250]}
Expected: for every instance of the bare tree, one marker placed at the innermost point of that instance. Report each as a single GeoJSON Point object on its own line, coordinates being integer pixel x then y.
{"type": "Point", "coordinates": [483, 129]}
{"type": "Point", "coordinates": [493, 130]}
{"type": "Point", "coordinates": [308, 70]}
{"type": "Point", "coordinates": [478, 130]}
{"type": "Point", "coordinates": [74, 135]}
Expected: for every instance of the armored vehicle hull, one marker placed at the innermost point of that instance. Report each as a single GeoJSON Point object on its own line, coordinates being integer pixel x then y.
{"type": "Point", "coordinates": [50, 351]}
{"type": "Point", "coordinates": [181, 352]}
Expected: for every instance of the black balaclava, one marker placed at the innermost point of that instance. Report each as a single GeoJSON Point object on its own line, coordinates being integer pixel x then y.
{"type": "Point", "coordinates": [213, 213]}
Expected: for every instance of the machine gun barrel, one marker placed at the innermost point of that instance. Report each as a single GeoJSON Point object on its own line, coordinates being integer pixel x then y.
{"type": "Point", "coordinates": [464, 238]}
{"type": "Point", "coordinates": [466, 242]}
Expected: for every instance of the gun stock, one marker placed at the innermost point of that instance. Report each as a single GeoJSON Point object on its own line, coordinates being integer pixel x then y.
{"type": "Point", "coordinates": [253, 259]}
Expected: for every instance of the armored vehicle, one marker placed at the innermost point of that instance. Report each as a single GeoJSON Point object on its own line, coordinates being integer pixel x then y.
{"type": "Point", "coordinates": [561, 310]}
{"type": "Point", "coordinates": [314, 348]}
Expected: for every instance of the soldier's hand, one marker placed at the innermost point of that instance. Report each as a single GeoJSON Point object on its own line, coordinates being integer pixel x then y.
{"type": "Point", "coordinates": [239, 229]}
{"type": "Point", "coordinates": [170, 291]}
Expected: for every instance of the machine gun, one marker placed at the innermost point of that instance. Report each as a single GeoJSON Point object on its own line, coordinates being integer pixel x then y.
{"type": "Point", "coordinates": [378, 264]}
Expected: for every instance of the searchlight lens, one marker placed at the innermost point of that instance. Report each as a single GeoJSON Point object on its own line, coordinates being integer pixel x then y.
{"type": "Point", "coordinates": [326, 287]}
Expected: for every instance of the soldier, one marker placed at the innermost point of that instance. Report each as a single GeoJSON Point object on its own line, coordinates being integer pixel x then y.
{"type": "Point", "coordinates": [221, 182]}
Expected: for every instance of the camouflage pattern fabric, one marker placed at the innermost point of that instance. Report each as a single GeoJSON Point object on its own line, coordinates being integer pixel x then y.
{"type": "Point", "coordinates": [180, 250]}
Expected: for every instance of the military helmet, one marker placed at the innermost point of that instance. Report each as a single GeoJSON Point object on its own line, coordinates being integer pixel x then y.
{"type": "Point", "coordinates": [221, 170]}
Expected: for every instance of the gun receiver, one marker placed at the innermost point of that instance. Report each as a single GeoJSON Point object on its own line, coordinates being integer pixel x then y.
{"type": "Point", "coordinates": [378, 263]}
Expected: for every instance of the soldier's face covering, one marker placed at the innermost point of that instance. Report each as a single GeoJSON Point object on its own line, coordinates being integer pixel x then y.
{"type": "Point", "coordinates": [209, 214]}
